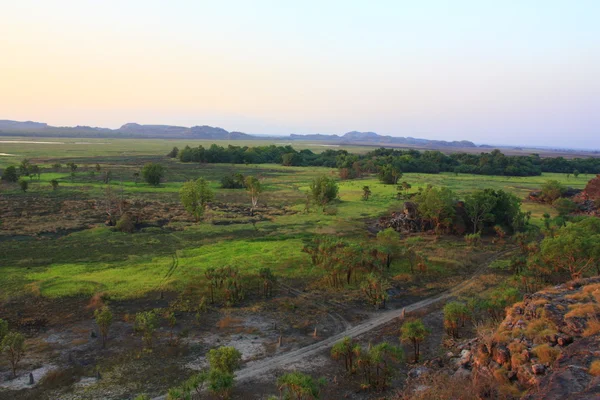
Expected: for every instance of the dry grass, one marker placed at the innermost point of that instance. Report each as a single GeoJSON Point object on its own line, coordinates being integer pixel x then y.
{"type": "Point", "coordinates": [537, 330]}
{"type": "Point", "coordinates": [582, 310]}
{"type": "Point", "coordinates": [595, 368]}
{"type": "Point", "coordinates": [546, 354]}
{"type": "Point", "coordinates": [228, 322]}
{"type": "Point", "coordinates": [592, 327]}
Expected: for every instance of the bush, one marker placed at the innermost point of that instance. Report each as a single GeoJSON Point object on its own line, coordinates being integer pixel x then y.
{"type": "Point", "coordinates": [125, 224]}
{"type": "Point", "coordinates": [323, 190]}
{"type": "Point", "coordinates": [473, 239]}
{"type": "Point", "coordinates": [330, 210]}
{"type": "Point", "coordinates": [153, 173]}
{"type": "Point", "coordinates": [546, 354]}
{"type": "Point", "coordinates": [595, 368]}
{"type": "Point", "coordinates": [10, 174]}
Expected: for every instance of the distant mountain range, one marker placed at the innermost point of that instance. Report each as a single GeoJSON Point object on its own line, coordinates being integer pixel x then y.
{"type": "Point", "coordinates": [133, 130]}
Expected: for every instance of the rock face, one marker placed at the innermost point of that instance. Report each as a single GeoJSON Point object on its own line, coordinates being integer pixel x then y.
{"type": "Point", "coordinates": [546, 344]}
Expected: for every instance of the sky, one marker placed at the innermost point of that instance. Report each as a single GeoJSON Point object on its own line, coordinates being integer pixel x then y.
{"type": "Point", "coordinates": [524, 72]}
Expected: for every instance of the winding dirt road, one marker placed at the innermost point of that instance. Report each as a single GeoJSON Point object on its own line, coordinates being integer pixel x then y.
{"type": "Point", "coordinates": [259, 369]}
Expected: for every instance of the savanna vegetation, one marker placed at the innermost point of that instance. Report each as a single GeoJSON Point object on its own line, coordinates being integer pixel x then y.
{"type": "Point", "coordinates": [210, 258]}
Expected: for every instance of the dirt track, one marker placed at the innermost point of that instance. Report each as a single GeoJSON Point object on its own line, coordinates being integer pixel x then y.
{"type": "Point", "coordinates": [259, 369]}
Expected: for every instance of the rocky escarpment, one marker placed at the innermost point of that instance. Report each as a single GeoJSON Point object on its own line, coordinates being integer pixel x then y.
{"type": "Point", "coordinates": [548, 346]}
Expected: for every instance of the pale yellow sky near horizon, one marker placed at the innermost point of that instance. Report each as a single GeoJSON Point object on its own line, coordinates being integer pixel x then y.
{"type": "Point", "coordinates": [463, 72]}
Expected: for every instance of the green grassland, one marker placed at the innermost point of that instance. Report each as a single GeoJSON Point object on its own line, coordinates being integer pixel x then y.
{"type": "Point", "coordinates": [123, 265]}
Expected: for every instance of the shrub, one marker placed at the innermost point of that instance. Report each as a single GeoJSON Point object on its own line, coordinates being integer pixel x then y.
{"type": "Point", "coordinates": [125, 224]}
{"type": "Point", "coordinates": [473, 239]}
{"type": "Point", "coordinates": [330, 210]}
{"type": "Point", "coordinates": [545, 353]}
{"type": "Point", "coordinates": [153, 173]}
{"type": "Point", "coordinates": [10, 174]}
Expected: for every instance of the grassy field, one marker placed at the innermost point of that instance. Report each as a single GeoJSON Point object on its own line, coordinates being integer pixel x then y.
{"type": "Point", "coordinates": [98, 259]}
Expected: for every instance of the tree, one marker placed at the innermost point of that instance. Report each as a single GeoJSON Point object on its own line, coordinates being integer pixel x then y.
{"type": "Point", "coordinates": [552, 190]}
{"type": "Point", "coordinates": [379, 360]}
{"type": "Point", "coordinates": [389, 241]}
{"type": "Point", "coordinates": [576, 174]}
{"type": "Point", "coordinates": [478, 206]}
{"type": "Point", "coordinates": [346, 349]}
{"type": "Point", "coordinates": [268, 280]}
{"type": "Point", "coordinates": [35, 170]}
{"type": "Point", "coordinates": [564, 206]}
{"type": "Point", "coordinates": [104, 319]}
{"type": "Point", "coordinates": [414, 332]}
{"type": "Point", "coordinates": [253, 188]}
{"type": "Point", "coordinates": [153, 173]}
{"type": "Point", "coordinates": [299, 386]}
{"type": "Point", "coordinates": [574, 249]}
{"type": "Point", "coordinates": [146, 323]}
{"type": "Point", "coordinates": [375, 288]}
{"type": "Point", "coordinates": [389, 175]}
{"type": "Point", "coordinates": [13, 344]}
{"type": "Point", "coordinates": [195, 196]}
{"type": "Point", "coordinates": [54, 184]}
{"type": "Point", "coordinates": [220, 383]}
{"type": "Point", "coordinates": [173, 153]}
{"type": "Point", "coordinates": [455, 316]}
{"type": "Point", "coordinates": [171, 321]}
{"type": "Point", "coordinates": [225, 358]}
{"type": "Point", "coordinates": [366, 193]}
{"type": "Point", "coordinates": [323, 190]}
{"type": "Point", "coordinates": [436, 205]}
{"type": "Point", "coordinates": [24, 167]}
{"type": "Point", "coordinates": [10, 174]}
{"type": "Point", "coordinates": [23, 184]}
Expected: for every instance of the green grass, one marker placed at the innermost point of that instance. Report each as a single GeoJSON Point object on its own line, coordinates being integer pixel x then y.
{"type": "Point", "coordinates": [129, 265]}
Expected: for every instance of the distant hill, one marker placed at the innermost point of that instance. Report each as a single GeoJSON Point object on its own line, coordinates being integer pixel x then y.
{"type": "Point", "coordinates": [130, 130]}
{"type": "Point", "coordinates": [134, 130]}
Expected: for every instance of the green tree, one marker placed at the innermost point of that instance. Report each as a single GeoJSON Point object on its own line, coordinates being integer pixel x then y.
{"type": "Point", "coordinates": [375, 288]}
{"type": "Point", "coordinates": [220, 383]}
{"type": "Point", "coordinates": [268, 280]}
{"type": "Point", "coordinates": [173, 153]}
{"type": "Point", "coordinates": [299, 386]}
{"type": "Point", "coordinates": [564, 206]}
{"type": "Point", "coordinates": [389, 175]}
{"type": "Point", "coordinates": [254, 188]}
{"type": "Point", "coordinates": [323, 190]}
{"type": "Point", "coordinates": [225, 358]}
{"type": "Point", "coordinates": [54, 184]}
{"type": "Point", "coordinates": [153, 173]}
{"type": "Point", "coordinates": [576, 173]}
{"type": "Point", "coordinates": [479, 206]}
{"type": "Point", "coordinates": [366, 193]}
{"type": "Point", "coordinates": [574, 249]}
{"type": "Point", "coordinates": [552, 190]}
{"type": "Point", "coordinates": [455, 316]}
{"type": "Point", "coordinates": [195, 196]}
{"type": "Point", "coordinates": [346, 349]}
{"type": "Point", "coordinates": [104, 319]}
{"type": "Point", "coordinates": [23, 184]}
{"type": "Point", "coordinates": [146, 323]}
{"type": "Point", "coordinates": [389, 242]}
{"type": "Point", "coordinates": [414, 332]}
{"type": "Point", "coordinates": [13, 345]}
{"type": "Point", "coordinates": [24, 168]}
{"type": "Point", "coordinates": [10, 174]}
{"type": "Point", "coordinates": [436, 205]}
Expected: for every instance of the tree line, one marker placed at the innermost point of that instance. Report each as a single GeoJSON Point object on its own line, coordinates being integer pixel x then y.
{"type": "Point", "coordinates": [431, 161]}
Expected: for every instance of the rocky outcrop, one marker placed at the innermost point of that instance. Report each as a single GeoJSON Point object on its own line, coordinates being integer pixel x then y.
{"type": "Point", "coordinates": [545, 346]}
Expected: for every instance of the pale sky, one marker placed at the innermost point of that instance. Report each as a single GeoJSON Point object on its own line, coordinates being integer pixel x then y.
{"type": "Point", "coordinates": [499, 72]}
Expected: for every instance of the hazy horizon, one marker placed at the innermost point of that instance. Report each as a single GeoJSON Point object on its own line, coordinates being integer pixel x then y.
{"type": "Point", "coordinates": [521, 74]}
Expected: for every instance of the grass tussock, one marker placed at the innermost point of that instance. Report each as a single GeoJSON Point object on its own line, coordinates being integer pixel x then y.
{"type": "Point", "coordinates": [546, 353]}
{"type": "Point", "coordinates": [582, 310]}
{"type": "Point", "coordinates": [595, 368]}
